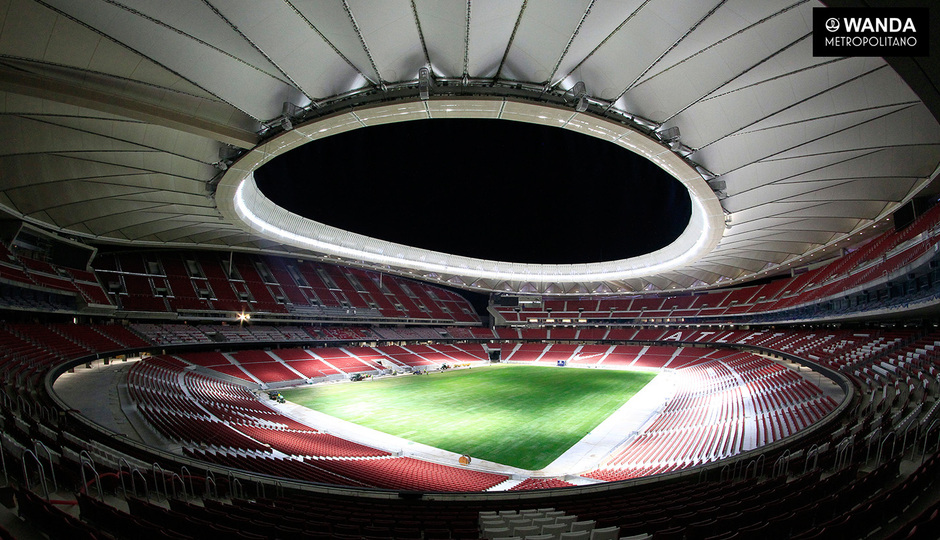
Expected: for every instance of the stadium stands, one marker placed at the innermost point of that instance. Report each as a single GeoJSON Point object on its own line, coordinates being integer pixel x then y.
{"type": "Point", "coordinates": [149, 316]}
{"type": "Point", "coordinates": [204, 282]}
{"type": "Point", "coordinates": [883, 256]}
{"type": "Point", "coordinates": [220, 422]}
{"type": "Point", "coordinates": [193, 285]}
{"type": "Point", "coordinates": [728, 404]}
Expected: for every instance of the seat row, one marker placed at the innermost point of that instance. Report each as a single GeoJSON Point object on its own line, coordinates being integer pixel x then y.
{"type": "Point", "coordinates": [541, 524]}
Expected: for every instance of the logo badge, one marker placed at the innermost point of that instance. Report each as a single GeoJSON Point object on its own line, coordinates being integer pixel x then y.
{"type": "Point", "coordinates": [885, 32]}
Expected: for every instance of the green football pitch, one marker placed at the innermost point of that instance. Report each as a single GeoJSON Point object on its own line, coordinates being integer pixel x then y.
{"type": "Point", "coordinates": [523, 416]}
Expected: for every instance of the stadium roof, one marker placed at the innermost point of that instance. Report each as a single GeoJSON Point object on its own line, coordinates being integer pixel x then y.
{"type": "Point", "coordinates": [118, 115]}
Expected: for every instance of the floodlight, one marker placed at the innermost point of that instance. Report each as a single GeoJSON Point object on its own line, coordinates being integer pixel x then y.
{"type": "Point", "coordinates": [718, 185]}
{"type": "Point", "coordinates": [579, 92]}
{"type": "Point", "coordinates": [669, 134]}
{"type": "Point", "coordinates": [424, 83]}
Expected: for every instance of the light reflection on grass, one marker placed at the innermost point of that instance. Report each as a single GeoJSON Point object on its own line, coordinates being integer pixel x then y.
{"type": "Point", "coordinates": [523, 416]}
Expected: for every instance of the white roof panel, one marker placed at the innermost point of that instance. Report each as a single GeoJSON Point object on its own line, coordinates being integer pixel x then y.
{"type": "Point", "coordinates": [117, 114]}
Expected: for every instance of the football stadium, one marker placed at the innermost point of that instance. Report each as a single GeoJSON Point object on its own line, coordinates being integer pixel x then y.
{"type": "Point", "coordinates": [469, 269]}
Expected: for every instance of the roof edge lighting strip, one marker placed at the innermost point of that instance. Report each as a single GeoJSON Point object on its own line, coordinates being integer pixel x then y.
{"type": "Point", "coordinates": [243, 204]}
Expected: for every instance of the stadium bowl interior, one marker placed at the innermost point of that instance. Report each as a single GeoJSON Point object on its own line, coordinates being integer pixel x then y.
{"type": "Point", "coordinates": [158, 305]}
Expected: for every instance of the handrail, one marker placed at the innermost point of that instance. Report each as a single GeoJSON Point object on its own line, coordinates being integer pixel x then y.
{"type": "Point", "coordinates": [872, 436]}
{"type": "Point", "coordinates": [42, 473]}
{"type": "Point", "coordinates": [85, 460]}
{"type": "Point", "coordinates": [144, 479]}
{"type": "Point", "coordinates": [782, 465]}
{"type": "Point", "coordinates": [814, 451]}
{"type": "Point", "coordinates": [24, 406]}
{"type": "Point", "coordinates": [726, 473]}
{"type": "Point", "coordinates": [236, 488]}
{"type": "Point", "coordinates": [894, 439]}
{"type": "Point", "coordinates": [927, 438]}
{"type": "Point", "coordinates": [845, 451]}
{"type": "Point", "coordinates": [130, 471]}
{"type": "Point", "coordinates": [185, 474]}
{"type": "Point", "coordinates": [37, 444]}
{"type": "Point", "coordinates": [161, 476]}
{"type": "Point", "coordinates": [210, 481]}
{"type": "Point", "coordinates": [174, 476]}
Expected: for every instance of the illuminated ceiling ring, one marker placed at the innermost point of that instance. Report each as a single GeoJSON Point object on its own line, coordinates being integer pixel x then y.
{"type": "Point", "coordinates": [243, 204]}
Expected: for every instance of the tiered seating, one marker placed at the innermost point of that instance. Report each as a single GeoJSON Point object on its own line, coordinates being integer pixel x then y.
{"type": "Point", "coordinates": [50, 340]}
{"type": "Point", "coordinates": [533, 334]}
{"type": "Point", "coordinates": [265, 367]}
{"type": "Point", "coordinates": [621, 334]}
{"type": "Point", "coordinates": [87, 284]}
{"type": "Point", "coordinates": [591, 354]}
{"type": "Point", "coordinates": [503, 332]}
{"type": "Point", "coordinates": [410, 473]}
{"type": "Point", "coordinates": [592, 334]}
{"type": "Point", "coordinates": [554, 353]}
{"type": "Point", "coordinates": [121, 335]}
{"type": "Point", "coordinates": [728, 382]}
{"type": "Point", "coordinates": [403, 334]}
{"type": "Point", "coordinates": [784, 403]}
{"type": "Point", "coordinates": [883, 255]}
{"type": "Point", "coordinates": [228, 332]}
{"type": "Point", "coordinates": [21, 360]}
{"type": "Point", "coordinates": [527, 352]}
{"type": "Point", "coordinates": [410, 357]}
{"type": "Point", "coordinates": [845, 503]}
{"type": "Point", "coordinates": [224, 297]}
{"type": "Point", "coordinates": [563, 333]}
{"type": "Point", "coordinates": [155, 388]}
{"type": "Point", "coordinates": [620, 355]}
{"type": "Point", "coordinates": [540, 483]}
{"type": "Point", "coordinates": [463, 332]}
{"type": "Point", "coordinates": [345, 333]}
{"type": "Point", "coordinates": [805, 506]}
{"type": "Point", "coordinates": [655, 357]}
{"type": "Point", "coordinates": [183, 289]}
{"type": "Point", "coordinates": [708, 418]}
{"type": "Point", "coordinates": [197, 430]}
{"type": "Point", "coordinates": [167, 334]}
{"type": "Point", "coordinates": [464, 352]}
{"type": "Point", "coordinates": [302, 361]}
{"type": "Point", "coordinates": [346, 363]}
{"type": "Point", "coordinates": [203, 282]}
{"type": "Point", "coordinates": [273, 466]}
{"type": "Point", "coordinates": [308, 443]}
{"type": "Point", "coordinates": [11, 269]}
{"type": "Point", "coordinates": [217, 362]}
{"type": "Point", "coordinates": [482, 333]}
{"type": "Point", "coordinates": [46, 275]}
{"type": "Point", "coordinates": [257, 289]}
{"type": "Point", "coordinates": [235, 405]}
{"type": "Point", "coordinates": [89, 337]}
{"type": "Point", "coordinates": [229, 419]}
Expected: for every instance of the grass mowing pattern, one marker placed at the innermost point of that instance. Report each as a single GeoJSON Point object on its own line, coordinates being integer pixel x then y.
{"type": "Point", "coordinates": [523, 416]}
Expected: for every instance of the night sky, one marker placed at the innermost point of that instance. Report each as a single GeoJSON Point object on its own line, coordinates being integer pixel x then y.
{"type": "Point", "coordinates": [492, 189]}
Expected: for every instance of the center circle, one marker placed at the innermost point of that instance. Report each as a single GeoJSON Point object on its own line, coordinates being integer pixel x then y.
{"type": "Point", "coordinates": [484, 188]}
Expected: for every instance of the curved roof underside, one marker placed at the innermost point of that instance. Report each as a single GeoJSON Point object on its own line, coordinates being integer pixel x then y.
{"type": "Point", "coordinates": [114, 112]}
